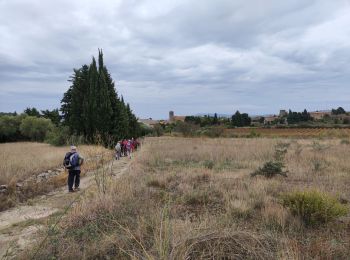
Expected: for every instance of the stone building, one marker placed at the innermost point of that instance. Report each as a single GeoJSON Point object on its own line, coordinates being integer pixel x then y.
{"type": "Point", "coordinates": [173, 118]}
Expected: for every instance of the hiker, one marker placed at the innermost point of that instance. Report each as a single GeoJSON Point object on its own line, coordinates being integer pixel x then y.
{"type": "Point", "coordinates": [137, 144]}
{"type": "Point", "coordinates": [125, 142]}
{"type": "Point", "coordinates": [128, 148]}
{"type": "Point", "coordinates": [72, 161]}
{"type": "Point", "coordinates": [118, 149]}
{"type": "Point", "coordinates": [132, 142]}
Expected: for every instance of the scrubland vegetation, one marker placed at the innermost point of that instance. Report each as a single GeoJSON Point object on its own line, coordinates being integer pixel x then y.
{"type": "Point", "coordinates": [22, 160]}
{"type": "Point", "coordinates": [197, 198]}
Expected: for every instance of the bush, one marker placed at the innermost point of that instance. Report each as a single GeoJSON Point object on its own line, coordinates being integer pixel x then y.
{"type": "Point", "coordinates": [313, 207]}
{"type": "Point", "coordinates": [58, 136]}
{"type": "Point", "coordinates": [275, 167]}
{"type": "Point", "coordinates": [186, 129]}
{"type": "Point", "coordinates": [35, 128]}
{"type": "Point", "coordinates": [158, 130]}
{"type": "Point", "coordinates": [270, 169]}
{"type": "Point", "coordinates": [145, 130]}
{"type": "Point", "coordinates": [9, 128]}
{"type": "Point", "coordinates": [253, 134]}
{"type": "Point", "coordinates": [214, 132]}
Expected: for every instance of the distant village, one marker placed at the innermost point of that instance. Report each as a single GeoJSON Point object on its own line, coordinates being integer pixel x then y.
{"type": "Point", "coordinates": [276, 119]}
{"type": "Point", "coordinates": [172, 119]}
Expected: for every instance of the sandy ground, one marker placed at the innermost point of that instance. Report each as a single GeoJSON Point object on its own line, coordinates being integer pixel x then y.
{"type": "Point", "coordinates": [19, 225]}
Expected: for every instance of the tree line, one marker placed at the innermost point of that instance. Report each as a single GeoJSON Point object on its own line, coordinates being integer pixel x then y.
{"type": "Point", "coordinates": [207, 120]}
{"type": "Point", "coordinates": [243, 119]}
{"type": "Point", "coordinates": [236, 120]}
{"type": "Point", "coordinates": [297, 117]}
{"type": "Point", "coordinates": [23, 127]}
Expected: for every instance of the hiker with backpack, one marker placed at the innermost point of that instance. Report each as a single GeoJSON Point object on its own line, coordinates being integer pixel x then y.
{"type": "Point", "coordinates": [72, 161]}
{"type": "Point", "coordinates": [118, 150]}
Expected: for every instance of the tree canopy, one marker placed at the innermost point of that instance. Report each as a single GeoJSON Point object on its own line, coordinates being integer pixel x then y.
{"type": "Point", "coordinates": [338, 111]}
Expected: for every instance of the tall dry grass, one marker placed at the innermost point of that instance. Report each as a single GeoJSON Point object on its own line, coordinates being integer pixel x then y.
{"type": "Point", "coordinates": [20, 161]}
{"type": "Point", "coordinates": [195, 199]}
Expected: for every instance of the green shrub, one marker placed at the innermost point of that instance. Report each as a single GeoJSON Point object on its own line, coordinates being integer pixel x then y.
{"type": "Point", "coordinates": [253, 134]}
{"type": "Point", "coordinates": [270, 169]}
{"type": "Point", "coordinates": [9, 128]}
{"type": "Point", "coordinates": [314, 207]}
{"type": "Point", "coordinates": [214, 132]}
{"type": "Point", "coordinates": [58, 136]}
{"type": "Point", "coordinates": [275, 167]}
{"type": "Point", "coordinates": [158, 130]}
{"type": "Point", "coordinates": [186, 129]}
{"type": "Point", "coordinates": [35, 128]}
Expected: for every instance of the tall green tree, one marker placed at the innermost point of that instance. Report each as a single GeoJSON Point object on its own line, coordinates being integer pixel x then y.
{"type": "Point", "coordinates": [338, 111]}
{"type": "Point", "coordinates": [239, 119]}
{"type": "Point", "coordinates": [91, 105]}
{"type": "Point", "coordinates": [53, 115]}
{"type": "Point", "coordinates": [32, 112]}
{"type": "Point", "coordinates": [215, 119]}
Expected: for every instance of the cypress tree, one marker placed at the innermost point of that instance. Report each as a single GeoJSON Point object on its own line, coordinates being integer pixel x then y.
{"type": "Point", "coordinates": [91, 105]}
{"type": "Point", "coordinates": [104, 108]}
{"type": "Point", "coordinates": [123, 120]}
{"type": "Point", "coordinates": [92, 99]}
{"type": "Point", "coordinates": [215, 119]}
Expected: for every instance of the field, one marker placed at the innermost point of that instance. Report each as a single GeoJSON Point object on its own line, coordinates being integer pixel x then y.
{"type": "Point", "coordinates": [195, 198]}
{"type": "Point", "coordinates": [290, 132]}
{"type": "Point", "coordinates": [20, 161]}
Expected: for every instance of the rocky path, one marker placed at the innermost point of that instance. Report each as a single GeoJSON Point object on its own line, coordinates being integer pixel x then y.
{"type": "Point", "coordinates": [19, 225]}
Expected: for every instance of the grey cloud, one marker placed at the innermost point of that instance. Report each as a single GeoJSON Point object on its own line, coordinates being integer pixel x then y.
{"type": "Point", "coordinates": [189, 56]}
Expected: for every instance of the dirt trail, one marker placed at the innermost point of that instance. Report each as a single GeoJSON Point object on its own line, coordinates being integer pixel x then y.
{"type": "Point", "coordinates": [19, 225]}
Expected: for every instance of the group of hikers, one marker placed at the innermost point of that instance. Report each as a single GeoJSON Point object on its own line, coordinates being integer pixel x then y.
{"type": "Point", "coordinates": [126, 148]}
{"type": "Point", "coordinates": [73, 160]}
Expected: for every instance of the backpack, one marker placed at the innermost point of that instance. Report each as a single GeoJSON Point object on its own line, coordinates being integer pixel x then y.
{"type": "Point", "coordinates": [71, 160]}
{"type": "Point", "coordinates": [66, 161]}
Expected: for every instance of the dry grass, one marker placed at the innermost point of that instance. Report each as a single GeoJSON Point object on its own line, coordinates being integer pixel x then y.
{"type": "Point", "coordinates": [290, 132]}
{"type": "Point", "coordinates": [195, 199]}
{"type": "Point", "coordinates": [19, 161]}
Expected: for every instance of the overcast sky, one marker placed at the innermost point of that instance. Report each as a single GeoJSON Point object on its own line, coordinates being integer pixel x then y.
{"type": "Point", "coordinates": [256, 56]}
